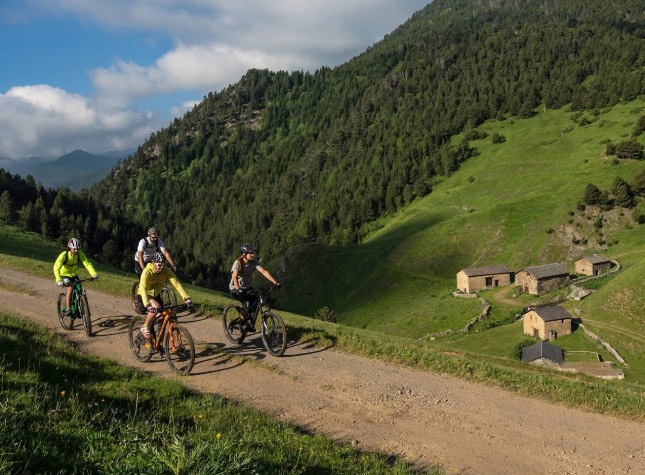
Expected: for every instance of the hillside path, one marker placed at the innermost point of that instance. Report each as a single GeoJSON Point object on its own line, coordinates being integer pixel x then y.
{"type": "Point", "coordinates": [425, 417]}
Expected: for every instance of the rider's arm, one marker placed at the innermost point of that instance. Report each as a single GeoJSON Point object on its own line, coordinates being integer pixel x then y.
{"type": "Point", "coordinates": [266, 274]}
{"type": "Point", "coordinates": [140, 247]}
{"type": "Point", "coordinates": [140, 259]}
{"type": "Point", "coordinates": [143, 290]}
{"type": "Point", "coordinates": [57, 266]}
{"type": "Point", "coordinates": [86, 262]}
{"type": "Point", "coordinates": [177, 285]}
{"type": "Point", "coordinates": [168, 256]}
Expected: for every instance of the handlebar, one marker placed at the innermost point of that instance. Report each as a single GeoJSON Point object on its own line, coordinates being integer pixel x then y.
{"type": "Point", "coordinates": [70, 283]}
{"type": "Point", "coordinates": [181, 306]}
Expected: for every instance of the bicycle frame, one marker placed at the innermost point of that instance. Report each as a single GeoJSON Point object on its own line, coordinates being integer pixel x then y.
{"type": "Point", "coordinates": [261, 305]}
{"type": "Point", "coordinates": [77, 291]}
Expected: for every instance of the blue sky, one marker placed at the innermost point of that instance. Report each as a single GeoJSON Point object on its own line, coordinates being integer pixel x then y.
{"type": "Point", "coordinates": [103, 75]}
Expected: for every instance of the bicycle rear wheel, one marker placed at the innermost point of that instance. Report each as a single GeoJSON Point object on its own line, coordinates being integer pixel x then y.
{"type": "Point", "coordinates": [233, 325]}
{"type": "Point", "coordinates": [84, 312]}
{"type": "Point", "coordinates": [274, 334]}
{"type": "Point", "coordinates": [137, 304]}
{"type": "Point", "coordinates": [66, 322]}
{"type": "Point", "coordinates": [140, 347]}
{"type": "Point", "coordinates": [180, 349]}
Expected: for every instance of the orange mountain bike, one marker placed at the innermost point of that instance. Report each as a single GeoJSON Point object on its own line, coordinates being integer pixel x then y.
{"type": "Point", "coordinates": [172, 341]}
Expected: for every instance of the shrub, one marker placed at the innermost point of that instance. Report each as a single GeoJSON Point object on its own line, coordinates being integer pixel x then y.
{"type": "Point", "coordinates": [326, 315]}
{"type": "Point", "coordinates": [498, 138]}
{"type": "Point", "coordinates": [630, 149]}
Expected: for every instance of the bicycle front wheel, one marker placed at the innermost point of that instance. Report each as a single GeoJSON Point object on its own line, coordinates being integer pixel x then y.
{"type": "Point", "coordinates": [66, 322]}
{"type": "Point", "coordinates": [180, 349]}
{"type": "Point", "coordinates": [233, 325]}
{"type": "Point", "coordinates": [84, 312]}
{"type": "Point", "coordinates": [274, 334]}
{"type": "Point", "coordinates": [140, 347]}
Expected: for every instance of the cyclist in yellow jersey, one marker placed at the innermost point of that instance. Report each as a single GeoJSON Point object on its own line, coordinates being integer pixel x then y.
{"type": "Point", "coordinates": [66, 268]}
{"type": "Point", "coordinates": [153, 278]}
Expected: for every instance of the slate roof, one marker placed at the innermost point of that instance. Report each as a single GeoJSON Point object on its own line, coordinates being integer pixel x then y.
{"type": "Point", "coordinates": [547, 270]}
{"type": "Point", "coordinates": [595, 259]}
{"type": "Point", "coordinates": [549, 314]}
{"type": "Point", "coordinates": [543, 349]}
{"type": "Point", "coordinates": [489, 270]}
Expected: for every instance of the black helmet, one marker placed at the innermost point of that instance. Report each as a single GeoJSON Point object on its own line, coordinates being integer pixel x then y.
{"type": "Point", "coordinates": [153, 232]}
{"type": "Point", "coordinates": [246, 247]}
{"type": "Point", "coordinates": [157, 257]}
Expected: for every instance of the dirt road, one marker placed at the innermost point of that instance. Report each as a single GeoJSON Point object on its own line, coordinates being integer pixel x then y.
{"type": "Point", "coordinates": [425, 417]}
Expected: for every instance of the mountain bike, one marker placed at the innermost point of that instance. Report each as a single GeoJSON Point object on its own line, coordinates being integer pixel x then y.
{"type": "Point", "coordinates": [274, 332]}
{"type": "Point", "coordinates": [79, 307]}
{"type": "Point", "coordinates": [168, 297]}
{"type": "Point", "coordinates": [172, 341]}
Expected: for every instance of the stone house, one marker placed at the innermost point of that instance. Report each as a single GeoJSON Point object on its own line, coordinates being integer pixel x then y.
{"type": "Point", "coordinates": [473, 279]}
{"type": "Point", "coordinates": [542, 353]}
{"type": "Point", "coordinates": [537, 280]}
{"type": "Point", "coordinates": [547, 323]}
{"type": "Point", "coordinates": [595, 264]}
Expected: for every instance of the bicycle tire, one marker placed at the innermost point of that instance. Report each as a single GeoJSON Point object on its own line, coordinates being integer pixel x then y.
{"type": "Point", "coordinates": [232, 323]}
{"type": "Point", "coordinates": [168, 297]}
{"type": "Point", "coordinates": [140, 347]}
{"type": "Point", "coordinates": [180, 349]}
{"type": "Point", "coordinates": [138, 307]}
{"type": "Point", "coordinates": [84, 311]}
{"type": "Point", "coordinates": [66, 322]}
{"type": "Point", "coordinates": [274, 334]}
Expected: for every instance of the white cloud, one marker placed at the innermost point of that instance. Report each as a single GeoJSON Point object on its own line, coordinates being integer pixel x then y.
{"type": "Point", "coordinates": [215, 43]}
{"type": "Point", "coordinates": [46, 121]}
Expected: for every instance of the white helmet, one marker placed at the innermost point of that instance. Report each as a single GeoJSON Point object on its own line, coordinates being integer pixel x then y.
{"type": "Point", "coordinates": [74, 243]}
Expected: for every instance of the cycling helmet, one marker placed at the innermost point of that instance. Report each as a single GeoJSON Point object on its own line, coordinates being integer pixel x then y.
{"type": "Point", "coordinates": [74, 243]}
{"type": "Point", "coordinates": [153, 232]}
{"type": "Point", "coordinates": [246, 247]}
{"type": "Point", "coordinates": [157, 257]}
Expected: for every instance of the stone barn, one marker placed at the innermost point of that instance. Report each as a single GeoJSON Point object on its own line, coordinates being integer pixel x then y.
{"type": "Point", "coordinates": [537, 280]}
{"type": "Point", "coordinates": [473, 279]}
{"type": "Point", "coordinates": [547, 323]}
{"type": "Point", "coordinates": [595, 264]}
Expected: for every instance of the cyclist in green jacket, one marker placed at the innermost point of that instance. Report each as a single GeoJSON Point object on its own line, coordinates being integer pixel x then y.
{"type": "Point", "coordinates": [153, 278]}
{"type": "Point", "coordinates": [66, 268]}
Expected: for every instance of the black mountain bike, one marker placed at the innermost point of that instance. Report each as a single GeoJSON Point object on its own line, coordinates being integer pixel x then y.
{"type": "Point", "coordinates": [274, 333]}
{"type": "Point", "coordinates": [79, 307]}
{"type": "Point", "coordinates": [168, 297]}
{"type": "Point", "coordinates": [172, 341]}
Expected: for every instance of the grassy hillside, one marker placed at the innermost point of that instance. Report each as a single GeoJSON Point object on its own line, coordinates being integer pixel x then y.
{"type": "Point", "coordinates": [514, 204]}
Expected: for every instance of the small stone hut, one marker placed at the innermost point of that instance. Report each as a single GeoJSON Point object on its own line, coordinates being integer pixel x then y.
{"type": "Point", "coordinates": [537, 280]}
{"type": "Point", "coordinates": [595, 264]}
{"type": "Point", "coordinates": [547, 323]}
{"type": "Point", "coordinates": [542, 353]}
{"type": "Point", "coordinates": [473, 279]}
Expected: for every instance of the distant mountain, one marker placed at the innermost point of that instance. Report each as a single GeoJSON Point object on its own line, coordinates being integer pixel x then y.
{"type": "Point", "coordinates": [76, 170]}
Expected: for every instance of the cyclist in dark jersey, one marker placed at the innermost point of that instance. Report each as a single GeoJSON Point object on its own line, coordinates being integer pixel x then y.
{"type": "Point", "coordinates": [241, 275]}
